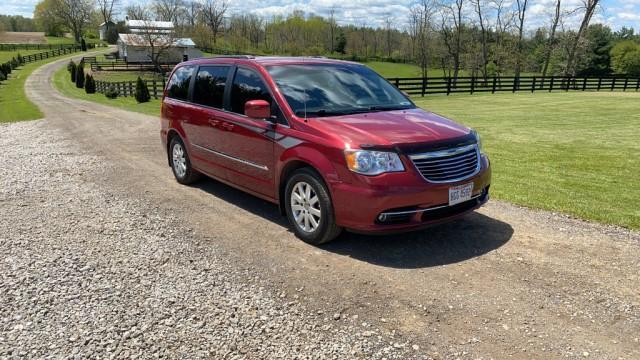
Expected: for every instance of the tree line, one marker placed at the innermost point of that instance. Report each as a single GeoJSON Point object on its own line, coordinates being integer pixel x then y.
{"type": "Point", "coordinates": [480, 38]}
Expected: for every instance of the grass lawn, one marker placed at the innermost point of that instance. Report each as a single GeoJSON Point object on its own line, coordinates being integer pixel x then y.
{"type": "Point", "coordinates": [8, 55]}
{"type": "Point", "coordinates": [55, 40]}
{"type": "Point", "coordinates": [576, 153]}
{"type": "Point", "coordinates": [63, 83]}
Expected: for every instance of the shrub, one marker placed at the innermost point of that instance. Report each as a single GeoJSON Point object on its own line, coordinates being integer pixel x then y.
{"type": "Point", "coordinates": [83, 45]}
{"type": "Point", "coordinates": [625, 58]}
{"type": "Point", "coordinates": [3, 77]}
{"type": "Point", "coordinates": [142, 91]}
{"type": "Point", "coordinates": [20, 59]}
{"type": "Point", "coordinates": [14, 63]}
{"type": "Point", "coordinates": [89, 85]}
{"type": "Point", "coordinates": [80, 76]}
{"type": "Point", "coordinates": [111, 92]}
{"type": "Point", "coordinates": [72, 70]}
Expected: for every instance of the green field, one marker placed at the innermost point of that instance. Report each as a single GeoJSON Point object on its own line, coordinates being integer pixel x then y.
{"type": "Point", "coordinates": [576, 153]}
{"type": "Point", "coordinates": [62, 82]}
{"type": "Point", "coordinates": [8, 55]}
{"type": "Point", "coordinates": [54, 40]}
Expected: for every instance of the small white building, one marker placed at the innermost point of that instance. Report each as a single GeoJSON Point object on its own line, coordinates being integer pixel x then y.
{"type": "Point", "coordinates": [136, 48]}
{"type": "Point", "coordinates": [102, 29]}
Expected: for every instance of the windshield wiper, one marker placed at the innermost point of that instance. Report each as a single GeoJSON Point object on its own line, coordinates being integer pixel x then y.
{"type": "Point", "coordinates": [320, 113]}
{"type": "Point", "coordinates": [388, 107]}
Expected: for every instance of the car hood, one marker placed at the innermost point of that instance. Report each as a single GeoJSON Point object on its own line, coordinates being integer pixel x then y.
{"type": "Point", "coordinates": [396, 127]}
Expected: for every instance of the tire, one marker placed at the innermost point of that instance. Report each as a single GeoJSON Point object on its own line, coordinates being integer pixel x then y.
{"type": "Point", "coordinates": [180, 163]}
{"type": "Point", "coordinates": [309, 208]}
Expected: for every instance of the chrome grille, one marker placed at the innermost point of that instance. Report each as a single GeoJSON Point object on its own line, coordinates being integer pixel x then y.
{"type": "Point", "coordinates": [448, 165]}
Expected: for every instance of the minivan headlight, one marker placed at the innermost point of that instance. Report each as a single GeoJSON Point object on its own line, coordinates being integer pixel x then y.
{"type": "Point", "coordinates": [478, 140]}
{"type": "Point", "coordinates": [368, 162]}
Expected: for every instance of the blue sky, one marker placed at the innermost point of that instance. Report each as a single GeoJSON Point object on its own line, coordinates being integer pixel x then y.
{"type": "Point", "coordinates": [615, 13]}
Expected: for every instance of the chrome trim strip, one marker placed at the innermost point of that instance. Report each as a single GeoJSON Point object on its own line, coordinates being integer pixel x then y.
{"type": "Point", "coordinates": [425, 210]}
{"type": "Point", "coordinates": [448, 152]}
{"type": "Point", "coordinates": [246, 162]}
{"type": "Point", "coordinates": [444, 153]}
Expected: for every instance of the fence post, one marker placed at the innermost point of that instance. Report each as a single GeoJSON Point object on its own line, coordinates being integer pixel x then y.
{"type": "Point", "coordinates": [155, 91]}
{"type": "Point", "coordinates": [637, 84]}
{"type": "Point", "coordinates": [533, 84]}
{"type": "Point", "coordinates": [397, 83]}
{"type": "Point", "coordinates": [584, 84]}
{"type": "Point", "coordinates": [551, 85]}
{"type": "Point", "coordinates": [613, 83]}
{"type": "Point", "coordinates": [626, 82]}
{"type": "Point", "coordinates": [515, 82]}
{"type": "Point", "coordinates": [424, 85]}
{"type": "Point", "coordinates": [473, 84]}
{"type": "Point", "coordinates": [448, 85]}
{"type": "Point", "coordinates": [599, 83]}
{"type": "Point", "coordinates": [493, 87]}
{"type": "Point", "coordinates": [568, 83]}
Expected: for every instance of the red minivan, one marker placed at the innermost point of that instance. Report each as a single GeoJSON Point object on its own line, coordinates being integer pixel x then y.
{"type": "Point", "coordinates": [332, 142]}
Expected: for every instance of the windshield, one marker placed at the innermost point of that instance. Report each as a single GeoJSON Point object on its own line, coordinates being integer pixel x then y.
{"type": "Point", "coordinates": [336, 89]}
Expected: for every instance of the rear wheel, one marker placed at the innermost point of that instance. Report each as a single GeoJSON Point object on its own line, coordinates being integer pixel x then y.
{"type": "Point", "coordinates": [180, 163]}
{"type": "Point", "coordinates": [309, 208]}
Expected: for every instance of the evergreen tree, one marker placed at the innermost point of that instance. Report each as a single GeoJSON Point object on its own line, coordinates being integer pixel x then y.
{"type": "Point", "coordinates": [83, 45]}
{"type": "Point", "coordinates": [341, 43]}
{"type": "Point", "coordinates": [72, 70]}
{"type": "Point", "coordinates": [142, 92]}
{"type": "Point", "coordinates": [80, 76]}
{"type": "Point", "coordinates": [89, 84]}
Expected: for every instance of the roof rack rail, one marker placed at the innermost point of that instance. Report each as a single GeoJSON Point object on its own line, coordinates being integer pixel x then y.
{"type": "Point", "coordinates": [318, 57]}
{"type": "Point", "coordinates": [236, 56]}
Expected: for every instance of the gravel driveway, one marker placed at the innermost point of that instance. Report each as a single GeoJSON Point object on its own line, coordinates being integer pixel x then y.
{"type": "Point", "coordinates": [105, 255]}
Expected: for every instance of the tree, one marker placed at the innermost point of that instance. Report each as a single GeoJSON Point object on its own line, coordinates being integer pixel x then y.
{"type": "Point", "coordinates": [137, 12]}
{"type": "Point", "coordinates": [142, 92]}
{"type": "Point", "coordinates": [625, 58]}
{"type": "Point", "coordinates": [71, 67]}
{"type": "Point", "coordinates": [213, 15]}
{"type": "Point", "coordinates": [420, 28]}
{"type": "Point", "coordinates": [521, 8]}
{"type": "Point", "coordinates": [168, 10]}
{"type": "Point", "coordinates": [75, 15]}
{"type": "Point", "coordinates": [552, 38]}
{"type": "Point", "coordinates": [46, 18]}
{"type": "Point", "coordinates": [595, 57]}
{"type": "Point", "coordinates": [589, 8]}
{"type": "Point", "coordinates": [479, 9]}
{"type": "Point", "coordinates": [89, 85]}
{"type": "Point", "coordinates": [451, 29]}
{"type": "Point", "coordinates": [80, 75]}
{"type": "Point", "coordinates": [107, 9]}
{"type": "Point", "coordinates": [341, 43]}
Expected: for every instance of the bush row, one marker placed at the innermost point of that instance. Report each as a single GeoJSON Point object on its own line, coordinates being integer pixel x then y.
{"type": "Point", "coordinates": [84, 80]}
{"type": "Point", "coordinates": [7, 67]}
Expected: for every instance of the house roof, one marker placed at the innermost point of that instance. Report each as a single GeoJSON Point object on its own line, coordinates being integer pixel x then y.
{"type": "Point", "coordinates": [160, 40]}
{"type": "Point", "coordinates": [145, 24]}
{"type": "Point", "coordinates": [104, 23]}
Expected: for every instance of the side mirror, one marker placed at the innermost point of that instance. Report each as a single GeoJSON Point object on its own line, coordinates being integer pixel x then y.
{"type": "Point", "coordinates": [257, 109]}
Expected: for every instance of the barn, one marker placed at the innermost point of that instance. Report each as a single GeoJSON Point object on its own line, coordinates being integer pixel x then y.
{"type": "Point", "coordinates": [136, 48]}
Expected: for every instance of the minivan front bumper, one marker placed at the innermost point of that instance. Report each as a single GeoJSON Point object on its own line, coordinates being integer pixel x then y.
{"type": "Point", "coordinates": [404, 201]}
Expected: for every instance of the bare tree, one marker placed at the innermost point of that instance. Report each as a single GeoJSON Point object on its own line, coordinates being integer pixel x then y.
{"type": "Point", "coordinates": [503, 21]}
{"type": "Point", "coordinates": [451, 29]}
{"type": "Point", "coordinates": [552, 38]}
{"type": "Point", "coordinates": [75, 14]}
{"type": "Point", "coordinates": [137, 12]}
{"type": "Point", "coordinates": [168, 10]}
{"type": "Point", "coordinates": [193, 9]}
{"type": "Point", "coordinates": [332, 25]}
{"type": "Point", "coordinates": [479, 9]}
{"type": "Point", "coordinates": [107, 9]}
{"type": "Point", "coordinates": [420, 28]}
{"type": "Point", "coordinates": [213, 15]}
{"type": "Point", "coordinates": [387, 29]}
{"type": "Point", "coordinates": [521, 8]}
{"type": "Point", "coordinates": [589, 7]}
{"type": "Point", "coordinates": [159, 42]}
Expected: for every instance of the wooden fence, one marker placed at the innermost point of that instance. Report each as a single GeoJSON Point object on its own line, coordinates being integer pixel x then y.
{"type": "Point", "coordinates": [49, 54]}
{"type": "Point", "coordinates": [421, 86]}
{"type": "Point", "coordinates": [128, 88]}
{"type": "Point", "coordinates": [447, 85]}
{"type": "Point", "coordinates": [16, 47]}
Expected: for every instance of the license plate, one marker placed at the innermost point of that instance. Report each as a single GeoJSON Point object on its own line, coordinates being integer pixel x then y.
{"type": "Point", "coordinates": [458, 194]}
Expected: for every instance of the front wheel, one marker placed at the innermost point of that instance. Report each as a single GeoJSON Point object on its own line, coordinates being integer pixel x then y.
{"type": "Point", "coordinates": [309, 208]}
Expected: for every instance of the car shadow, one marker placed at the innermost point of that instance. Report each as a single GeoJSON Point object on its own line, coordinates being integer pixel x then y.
{"type": "Point", "coordinates": [470, 236]}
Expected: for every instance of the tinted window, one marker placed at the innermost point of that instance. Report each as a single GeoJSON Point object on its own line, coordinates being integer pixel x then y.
{"type": "Point", "coordinates": [209, 87]}
{"type": "Point", "coordinates": [325, 90]}
{"type": "Point", "coordinates": [178, 87]}
{"type": "Point", "coordinates": [247, 85]}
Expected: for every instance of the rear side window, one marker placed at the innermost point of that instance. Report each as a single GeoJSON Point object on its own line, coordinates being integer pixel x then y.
{"type": "Point", "coordinates": [209, 87]}
{"type": "Point", "coordinates": [178, 87]}
{"type": "Point", "coordinates": [247, 85]}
